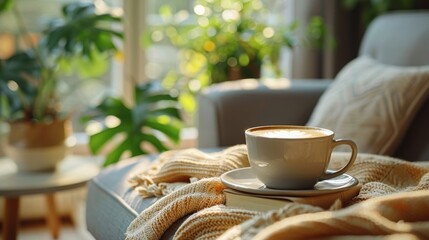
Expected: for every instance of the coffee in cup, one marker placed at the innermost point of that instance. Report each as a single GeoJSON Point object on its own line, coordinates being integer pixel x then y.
{"type": "Point", "coordinates": [293, 157]}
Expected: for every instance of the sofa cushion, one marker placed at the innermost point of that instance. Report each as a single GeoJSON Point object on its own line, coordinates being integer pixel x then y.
{"type": "Point", "coordinates": [372, 103]}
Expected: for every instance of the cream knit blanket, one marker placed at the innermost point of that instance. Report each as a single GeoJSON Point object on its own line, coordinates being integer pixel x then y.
{"type": "Point", "coordinates": [393, 201]}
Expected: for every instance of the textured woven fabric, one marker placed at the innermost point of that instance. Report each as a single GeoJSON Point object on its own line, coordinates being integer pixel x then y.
{"type": "Point", "coordinates": [380, 176]}
{"type": "Point", "coordinates": [212, 222]}
{"type": "Point", "coordinates": [152, 222]}
{"type": "Point", "coordinates": [403, 213]}
{"type": "Point", "coordinates": [201, 225]}
{"type": "Point", "coordinates": [372, 103]}
{"type": "Point", "coordinates": [174, 168]}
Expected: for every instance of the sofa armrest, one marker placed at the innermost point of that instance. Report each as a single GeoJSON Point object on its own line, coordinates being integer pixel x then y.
{"type": "Point", "coordinates": [225, 110]}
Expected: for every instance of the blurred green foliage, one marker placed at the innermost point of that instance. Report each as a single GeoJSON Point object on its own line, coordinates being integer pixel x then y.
{"type": "Point", "coordinates": [82, 40]}
{"type": "Point", "coordinates": [219, 41]}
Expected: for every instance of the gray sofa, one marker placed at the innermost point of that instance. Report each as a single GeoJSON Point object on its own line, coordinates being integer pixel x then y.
{"type": "Point", "coordinates": [398, 39]}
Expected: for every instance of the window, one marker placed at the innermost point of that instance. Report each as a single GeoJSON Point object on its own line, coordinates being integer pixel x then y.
{"type": "Point", "coordinates": [141, 64]}
{"type": "Point", "coordinates": [154, 62]}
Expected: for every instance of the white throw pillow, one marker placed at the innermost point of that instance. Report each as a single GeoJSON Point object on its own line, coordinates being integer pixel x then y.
{"type": "Point", "coordinates": [372, 103]}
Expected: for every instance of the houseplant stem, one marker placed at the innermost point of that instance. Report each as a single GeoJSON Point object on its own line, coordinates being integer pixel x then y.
{"type": "Point", "coordinates": [47, 83]}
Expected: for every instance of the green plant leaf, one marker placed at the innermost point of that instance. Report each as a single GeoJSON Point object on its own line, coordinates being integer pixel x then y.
{"type": "Point", "coordinates": [67, 36]}
{"type": "Point", "coordinates": [78, 9]}
{"type": "Point", "coordinates": [169, 130]}
{"type": "Point", "coordinates": [43, 103]}
{"type": "Point", "coordinates": [159, 97]}
{"type": "Point", "coordinates": [4, 107]}
{"type": "Point", "coordinates": [140, 91]}
{"type": "Point", "coordinates": [114, 155]}
{"type": "Point", "coordinates": [21, 71]}
{"type": "Point", "coordinates": [5, 5]}
{"type": "Point", "coordinates": [94, 67]}
{"type": "Point", "coordinates": [98, 140]}
{"type": "Point", "coordinates": [154, 141]}
{"type": "Point", "coordinates": [169, 111]}
{"type": "Point", "coordinates": [114, 106]}
{"type": "Point", "coordinates": [154, 113]}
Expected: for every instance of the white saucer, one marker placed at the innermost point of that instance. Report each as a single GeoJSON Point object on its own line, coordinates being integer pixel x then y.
{"type": "Point", "coordinates": [243, 179]}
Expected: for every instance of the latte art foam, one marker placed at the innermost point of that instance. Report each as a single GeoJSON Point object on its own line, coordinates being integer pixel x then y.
{"type": "Point", "coordinates": [290, 133]}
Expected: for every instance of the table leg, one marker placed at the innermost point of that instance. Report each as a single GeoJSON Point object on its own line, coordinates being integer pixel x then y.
{"type": "Point", "coordinates": [52, 217]}
{"type": "Point", "coordinates": [10, 221]}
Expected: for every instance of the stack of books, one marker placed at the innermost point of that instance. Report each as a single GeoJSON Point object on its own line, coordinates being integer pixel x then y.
{"type": "Point", "coordinates": [259, 202]}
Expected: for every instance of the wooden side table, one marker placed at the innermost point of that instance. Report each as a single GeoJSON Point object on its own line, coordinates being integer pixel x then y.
{"type": "Point", "coordinates": [72, 172]}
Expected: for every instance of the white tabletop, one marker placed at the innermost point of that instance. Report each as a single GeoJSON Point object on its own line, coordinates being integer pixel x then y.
{"type": "Point", "coordinates": [74, 171]}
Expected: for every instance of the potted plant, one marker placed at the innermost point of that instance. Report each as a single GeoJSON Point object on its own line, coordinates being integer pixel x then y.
{"type": "Point", "coordinates": [221, 41]}
{"type": "Point", "coordinates": [29, 81]}
{"type": "Point", "coordinates": [148, 124]}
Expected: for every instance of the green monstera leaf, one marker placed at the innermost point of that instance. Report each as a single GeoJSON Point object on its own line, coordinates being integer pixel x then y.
{"type": "Point", "coordinates": [82, 30]}
{"type": "Point", "coordinates": [154, 116]}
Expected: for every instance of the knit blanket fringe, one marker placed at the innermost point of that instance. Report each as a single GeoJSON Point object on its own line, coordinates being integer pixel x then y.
{"type": "Point", "coordinates": [393, 201]}
{"type": "Point", "coordinates": [174, 169]}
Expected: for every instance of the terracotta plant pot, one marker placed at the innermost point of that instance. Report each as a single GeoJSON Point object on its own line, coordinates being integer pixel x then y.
{"type": "Point", "coordinates": [253, 70]}
{"type": "Point", "coordinates": [38, 146]}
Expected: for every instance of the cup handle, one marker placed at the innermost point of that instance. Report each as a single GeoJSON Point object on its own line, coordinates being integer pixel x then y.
{"type": "Point", "coordinates": [337, 142]}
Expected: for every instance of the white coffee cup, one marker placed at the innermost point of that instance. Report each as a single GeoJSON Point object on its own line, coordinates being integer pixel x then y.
{"type": "Point", "coordinates": [293, 157]}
